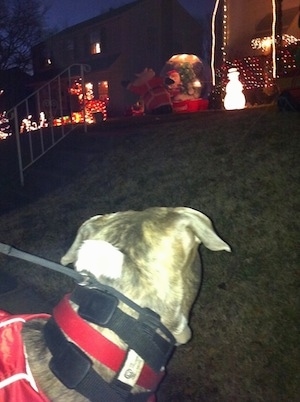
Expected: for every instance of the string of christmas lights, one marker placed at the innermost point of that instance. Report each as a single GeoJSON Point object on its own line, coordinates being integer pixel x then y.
{"type": "Point", "coordinates": [225, 32]}
{"type": "Point", "coordinates": [266, 42]}
{"type": "Point", "coordinates": [255, 71]}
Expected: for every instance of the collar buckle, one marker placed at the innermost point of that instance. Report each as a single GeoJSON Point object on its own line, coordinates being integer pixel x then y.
{"type": "Point", "coordinates": [98, 307]}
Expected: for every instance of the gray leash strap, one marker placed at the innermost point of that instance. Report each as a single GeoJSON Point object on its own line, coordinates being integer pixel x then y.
{"type": "Point", "coordinates": [22, 255]}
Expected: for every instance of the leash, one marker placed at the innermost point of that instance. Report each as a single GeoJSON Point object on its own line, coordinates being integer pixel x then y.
{"type": "Point", "coordinates": [84, 280]}
{"type": "Point", "coordinates": [22, 255]}
{"type": "Point", "coordinates": [98, 304]}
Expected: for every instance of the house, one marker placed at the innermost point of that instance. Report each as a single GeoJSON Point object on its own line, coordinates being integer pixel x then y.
{"type": "Point", "coordinates": [245, 31]}
{"type": "Point", "coordinates": [249, 25]}
{"type": "Point", "coordinates": [118, 44]}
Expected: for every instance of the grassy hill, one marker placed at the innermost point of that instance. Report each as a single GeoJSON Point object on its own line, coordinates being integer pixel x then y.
{"type": "Point", "coordinates": [242, 170]}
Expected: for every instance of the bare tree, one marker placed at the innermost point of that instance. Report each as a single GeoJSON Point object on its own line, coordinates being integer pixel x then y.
{"type": "Point", "coordinates": [22, 25]}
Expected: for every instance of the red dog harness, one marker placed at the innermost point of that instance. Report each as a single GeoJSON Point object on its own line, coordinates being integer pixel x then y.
{"type": "Point", "coordinates": [16, 381]}
{"type": "Point", "coordinates": [103, 350]}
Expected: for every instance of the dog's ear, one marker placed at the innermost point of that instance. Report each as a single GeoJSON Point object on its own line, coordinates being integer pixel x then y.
{"type": "Point", "coordinates": [203, 229]}
{"type": "Point", "coordinates": [100, 258]}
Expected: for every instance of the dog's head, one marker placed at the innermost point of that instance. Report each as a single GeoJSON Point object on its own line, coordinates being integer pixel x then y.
{"type": "Point", "coordinates": [150, 256]}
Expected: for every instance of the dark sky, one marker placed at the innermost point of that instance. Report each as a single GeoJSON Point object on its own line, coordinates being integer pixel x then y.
{"type": "Point", "coordinates": [64, 13]}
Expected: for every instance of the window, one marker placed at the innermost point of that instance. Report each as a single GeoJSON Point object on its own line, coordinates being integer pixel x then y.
{"type": "Point", "coordinates": [70, 45]}
{"type": "Point", "coordinates": [96, 48]}
{"type": "Point", "coordinates": [103, 91]}
{"type": "Point", "coordinates": [98, 41]}
{"type": "Point", "coordinates": [45, 60]}
{"type": "Point", "coordinates": [95, 42]}
{"type": "Point", "coordinates": [69, 54]}
{"type": "Point", "coordinates": [79, 48]}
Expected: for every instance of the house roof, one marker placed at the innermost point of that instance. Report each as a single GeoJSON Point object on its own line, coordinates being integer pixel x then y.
{"type": "Point", "coordinates": [113, 12]}
{"type": "Point", "coordinates": [264, 27]}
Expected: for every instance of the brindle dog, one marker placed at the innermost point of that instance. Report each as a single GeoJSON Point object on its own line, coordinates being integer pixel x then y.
{"type": "Point", "coordinates": [149, 256]}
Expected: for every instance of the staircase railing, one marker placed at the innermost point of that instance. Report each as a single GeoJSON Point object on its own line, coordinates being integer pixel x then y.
{"type": "Point", "coordinates": [47, 116]}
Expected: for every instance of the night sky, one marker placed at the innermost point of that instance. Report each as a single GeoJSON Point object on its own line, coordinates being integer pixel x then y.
{"type": "Point", "coordinates": [64, 13]}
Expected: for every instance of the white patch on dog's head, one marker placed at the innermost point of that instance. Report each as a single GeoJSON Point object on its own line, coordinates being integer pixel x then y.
{"type": "Point", "coordinates": [100, 258]}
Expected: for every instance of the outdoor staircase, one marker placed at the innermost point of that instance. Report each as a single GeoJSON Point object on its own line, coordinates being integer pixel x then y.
{"type": "Point", "coordinates": [34, 141]}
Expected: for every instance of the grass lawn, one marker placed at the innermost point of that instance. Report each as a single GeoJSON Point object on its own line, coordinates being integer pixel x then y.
{"type": "Point", "coordinates": [242, 170]}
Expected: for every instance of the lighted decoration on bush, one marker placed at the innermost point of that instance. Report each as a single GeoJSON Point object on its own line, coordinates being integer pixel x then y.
{"type": "Point", "coordinates": [190, 82]}
{"type": "Point", "coordinates": [5, 130]}
{"type": "Point", "coordinates": [87, 103]}
{"type": "Point", "coordinates": [234, 98]}
{"type": "Point", "coordinates": [28, 124]}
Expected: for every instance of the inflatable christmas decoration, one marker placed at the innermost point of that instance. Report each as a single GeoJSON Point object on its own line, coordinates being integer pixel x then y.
{"type": "Point", "coordinates": [190, 89]}
{"type": "Point", "coordinates": [234, 98]}
{"type": "Point", "coordinates": [152, 91]}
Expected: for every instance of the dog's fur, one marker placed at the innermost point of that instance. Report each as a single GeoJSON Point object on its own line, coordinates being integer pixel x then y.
{"type": "Point", "coordinates": [155, 263]}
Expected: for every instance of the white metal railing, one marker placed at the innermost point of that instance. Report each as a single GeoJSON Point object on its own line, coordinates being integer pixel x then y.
{"type": "Point", "coordinates": [44, 118]}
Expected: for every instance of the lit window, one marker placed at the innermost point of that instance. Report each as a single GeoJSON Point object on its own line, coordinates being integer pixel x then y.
{"type": "Point", "coordinates": [96, 48]}
{"type": "Point", "coordinates": [95, 43]}
{"type": "Point", "coordinates": [103, 91]}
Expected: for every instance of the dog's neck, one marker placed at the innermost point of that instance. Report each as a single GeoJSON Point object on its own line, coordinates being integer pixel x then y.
{"type": "Point", "coordinates": [139, 365]}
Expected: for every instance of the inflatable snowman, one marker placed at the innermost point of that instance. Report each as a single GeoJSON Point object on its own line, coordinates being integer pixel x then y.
{"type": "Point", "coordinates": [234, 98]}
